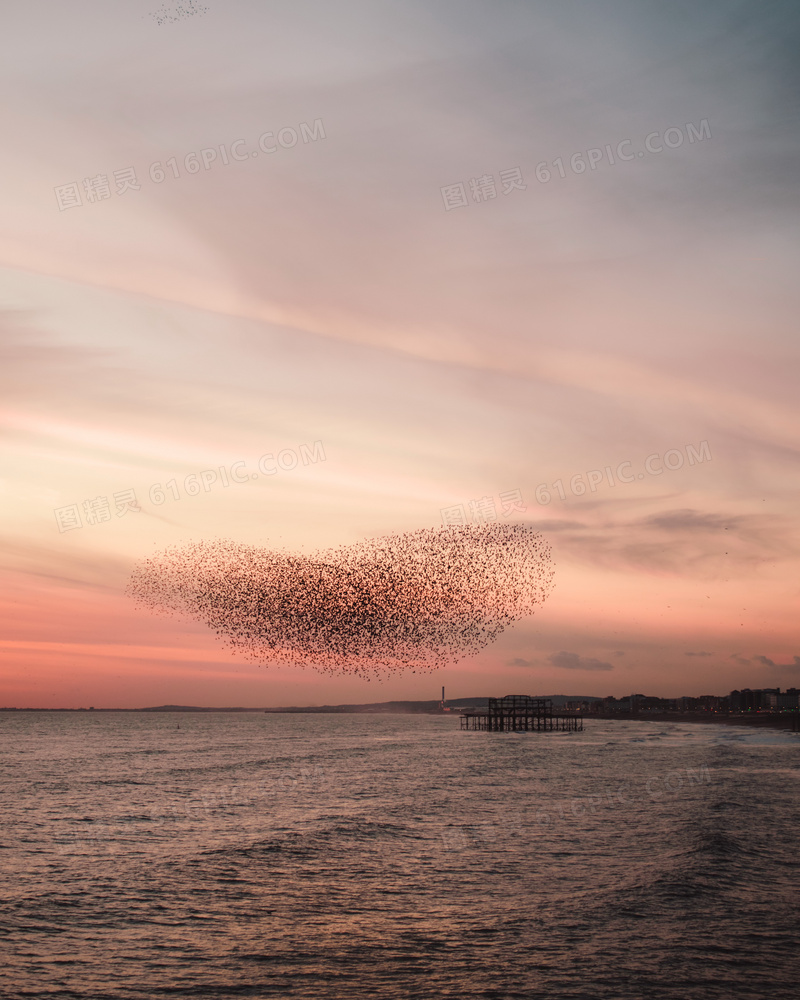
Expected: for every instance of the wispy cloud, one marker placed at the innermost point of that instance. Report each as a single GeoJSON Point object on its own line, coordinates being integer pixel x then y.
{"type": "Point", "coordinates": [765, 660]}
{"type": "Point", "coordinates": [684, 542]}
{"type": "Point", "coordinates": [572, 661]}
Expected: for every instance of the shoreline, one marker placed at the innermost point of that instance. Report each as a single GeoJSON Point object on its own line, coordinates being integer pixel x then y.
{"type": "Point", "coordinates": [778, 720]}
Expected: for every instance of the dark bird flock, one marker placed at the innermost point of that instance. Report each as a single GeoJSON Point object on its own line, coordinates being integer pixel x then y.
{"type": "Point", "coordinates": [413, 601]}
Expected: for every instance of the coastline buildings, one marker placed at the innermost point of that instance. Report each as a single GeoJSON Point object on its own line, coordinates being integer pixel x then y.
{"type": "Point", "coordinates": [736, 703]}
{"type": "Point", "coordinates": [764, 700]}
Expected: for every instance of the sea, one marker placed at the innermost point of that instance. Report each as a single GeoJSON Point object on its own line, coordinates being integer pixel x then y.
{"type": "Point", "coordinates": [163, 855]}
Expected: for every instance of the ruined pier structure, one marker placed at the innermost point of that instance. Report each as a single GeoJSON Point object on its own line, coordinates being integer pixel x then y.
{"type": "Point", "coordinates": [520, 713]}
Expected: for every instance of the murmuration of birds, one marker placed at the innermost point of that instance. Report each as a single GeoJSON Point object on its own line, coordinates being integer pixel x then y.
{"type": "Point", "coordinates": [177, 12]}
{"type": "Point", "coordinates": [415, 602]}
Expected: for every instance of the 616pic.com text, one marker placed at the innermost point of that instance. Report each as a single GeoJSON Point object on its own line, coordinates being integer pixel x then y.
{"type": "Point", "coordinates": [654, 465]}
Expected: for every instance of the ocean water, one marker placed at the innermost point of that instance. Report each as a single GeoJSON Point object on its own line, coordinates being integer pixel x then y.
{"type": "Point", "coordinates": [324, 856]}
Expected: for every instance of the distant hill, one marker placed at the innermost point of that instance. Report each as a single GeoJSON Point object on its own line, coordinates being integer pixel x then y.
{"type": "Point", "coordinates": [193, 708]}
{"type": "Point", "coordinates": [375, 707]}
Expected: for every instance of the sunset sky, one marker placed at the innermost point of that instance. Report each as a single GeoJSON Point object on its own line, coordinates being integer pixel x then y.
{"type": "Point", "coordinates": [380, 290]}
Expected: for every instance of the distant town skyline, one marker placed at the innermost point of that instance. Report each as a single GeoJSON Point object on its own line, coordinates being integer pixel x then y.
{"type": "Point", "coordinates": [737, 700]}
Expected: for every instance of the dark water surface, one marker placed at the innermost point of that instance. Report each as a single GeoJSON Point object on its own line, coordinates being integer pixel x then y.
{"type": "Point", "coordinates": [362, 856]}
